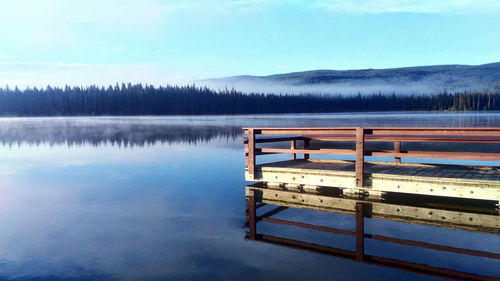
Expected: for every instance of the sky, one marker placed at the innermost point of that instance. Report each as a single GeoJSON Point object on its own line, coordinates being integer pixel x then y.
{"type": "Point", "coordinates": [156, 42]}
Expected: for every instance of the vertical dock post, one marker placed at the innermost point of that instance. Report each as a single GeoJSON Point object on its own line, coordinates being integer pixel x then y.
{"type": "Point", "coordinates": [251, 214]}
{"type": "Point", "coordinates": [397, 149]}
{"type": "Point", "coordinates": [360, 155]}
{"type": "Point", "coordinates": [292, 146]}
{"type": "Point", "coordinates": [306, 146]}
{"type": "Point", "coordinates": [247, 209]}
{"type": "Point", "coordinates": [360, 232]}
{"type": "Point", "coordinates": [251, 152]}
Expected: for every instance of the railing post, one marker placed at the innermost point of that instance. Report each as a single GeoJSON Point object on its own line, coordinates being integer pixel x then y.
{"type": "Point", "coordinates": [360, 232]}
{"type": "Point", "coordinates": [397, 149]}
{"type": "Point", "coordinates": [251, 152]}
{"type": "Point", "coordinates": [360, 155]}
{"type": "Point", "coordinates": [252, 223]}
{"type": "Point", "coordinates": [306, 146]}
{"type": "Point", "coordinates": [292, 146]}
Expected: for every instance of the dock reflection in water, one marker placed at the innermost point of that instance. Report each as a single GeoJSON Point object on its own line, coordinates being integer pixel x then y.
{"type": "Point", "coordinates": [466, 215]}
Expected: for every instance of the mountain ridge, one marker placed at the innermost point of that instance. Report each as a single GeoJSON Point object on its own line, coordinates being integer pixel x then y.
{"type": "Point", "coordinates": [412, 79]}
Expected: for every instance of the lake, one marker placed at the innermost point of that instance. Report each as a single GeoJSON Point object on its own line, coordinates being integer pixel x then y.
{"type": "Point", "coordinates": [162, 198]}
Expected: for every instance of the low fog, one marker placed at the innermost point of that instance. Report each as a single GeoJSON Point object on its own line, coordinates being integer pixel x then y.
{"type": "Point", "coordinates": [407, 80]}
{"type": "Point", "coordinates": [370, 86]}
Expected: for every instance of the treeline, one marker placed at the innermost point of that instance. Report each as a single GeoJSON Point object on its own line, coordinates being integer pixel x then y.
{"type": "Point", "coordinates": [191, 100]}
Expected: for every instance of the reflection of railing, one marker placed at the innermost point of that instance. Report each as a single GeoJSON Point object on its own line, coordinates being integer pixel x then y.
{"type": "Point", "coordinates": [360, 135]}
{"type": "Point", "coordinates": [361, 210]}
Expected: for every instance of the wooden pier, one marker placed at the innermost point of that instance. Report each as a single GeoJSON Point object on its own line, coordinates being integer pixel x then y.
{"type": "Point", "coordinates": [360, 178]}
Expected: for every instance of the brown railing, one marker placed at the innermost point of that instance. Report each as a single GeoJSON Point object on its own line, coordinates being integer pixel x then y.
{"type": "Point", "coordinates": [360, 135]}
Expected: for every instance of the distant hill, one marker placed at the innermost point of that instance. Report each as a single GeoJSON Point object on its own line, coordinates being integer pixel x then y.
{"type": "Point", "coordinates": [404, 80]}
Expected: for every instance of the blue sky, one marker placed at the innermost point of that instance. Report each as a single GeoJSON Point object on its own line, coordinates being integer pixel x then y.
{"type": "Point", "coordinates": [77, 42]}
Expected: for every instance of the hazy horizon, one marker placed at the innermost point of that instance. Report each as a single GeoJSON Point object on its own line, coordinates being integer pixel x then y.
{"type": "Point", "coordinates": [55, 42]}
{"type": "Point", "coordinates": [266, 84]}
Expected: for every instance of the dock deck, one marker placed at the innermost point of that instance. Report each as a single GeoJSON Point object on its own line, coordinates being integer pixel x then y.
{"type": "Point", "coordinates": [410, 170]}
{"type": "Point", "coordinates": [376, 178]}
{"type": "Point", "coordinates": [440, 180]}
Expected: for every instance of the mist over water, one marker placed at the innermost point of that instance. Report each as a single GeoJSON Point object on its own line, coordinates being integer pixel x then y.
{"type": "Point", "coordinates": [147, 130]}
{"type": "Point", "coordinates": [114, 131]}
{"type": "Point", "coordinates": [162, 198]}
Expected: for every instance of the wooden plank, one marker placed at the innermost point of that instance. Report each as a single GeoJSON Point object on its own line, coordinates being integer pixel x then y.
{"type": "Point", "coordinates": [397, 149]}
{"type": "Point", "coordinates": [245, 145]}
{"type": "Point", "coordinates": [267, 140]}
{"type": "Point", "coordinates": [479, 156]}
{"type": "Point", "coordinates": [306, 146]}
{"type": "Point", "coordinates": [411, 131]}
{"type": "Point", "coordinates": [299, 130]}
{"type": "Point", "coordinates": [382, 128]}
{"type": "Point", "coordinates": [393, 138]}
{"type": "Point", "coordinates": [310, 151]}
{"type": "Point", "coordinates": [436, 186]}
{"type": "Point", "coordinates": [376, 166]}
{"type": "Point", "coordinates": [360, 152]}
{"type": "Point", "coordinates": [252, 222]}
{"type": "Point", "coordinates": [414, 183]}
{"type": "Point", "coordinates": [292, 147]}
{"type": "Point", "coordinates": [251, 151]}
{"type": "Point", "coordinates": [436, 132]}
{"type": "Point", "coordinates": [360, 232]}
{"type": "Point", "coordinates": [305, 131]}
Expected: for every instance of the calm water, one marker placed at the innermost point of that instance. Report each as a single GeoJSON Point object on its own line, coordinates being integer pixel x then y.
{"type": "Point", "coordinates": [162, 198]}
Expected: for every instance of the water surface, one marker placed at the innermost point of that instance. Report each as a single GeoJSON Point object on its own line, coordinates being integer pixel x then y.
{"type": "Point", "coordinates": [162, 198]}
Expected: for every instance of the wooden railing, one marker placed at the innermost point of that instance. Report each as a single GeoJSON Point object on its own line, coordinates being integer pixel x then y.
{"type": "Point", "coordinates": [360, 135]}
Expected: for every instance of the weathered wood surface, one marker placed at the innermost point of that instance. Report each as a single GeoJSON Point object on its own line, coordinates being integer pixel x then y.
{"type": "Point", "coordinates": [439, 180]}
{"type": "Point", "coordinates": [409, 138]}
{"type": "Point", "coordinates": [360, 156]}
{"type": "Point", "coordinates": [390, 153]}
{"type": "Point", "coordinates": [397, 149]}
{"type": "Point", "coordinates": [423, 170]}
{"type": "Point", "coordinates": [400, 131]}
{"type": "Point", "coordinates": [251, 151]}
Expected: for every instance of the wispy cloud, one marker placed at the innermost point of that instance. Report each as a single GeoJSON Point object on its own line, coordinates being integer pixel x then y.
{"type": "Point", "coordinates": [410, 6]}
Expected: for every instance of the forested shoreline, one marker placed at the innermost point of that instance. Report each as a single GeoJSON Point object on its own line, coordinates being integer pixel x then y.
{"type": "Point", "coordinates": [191, 100]}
